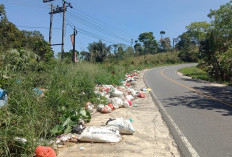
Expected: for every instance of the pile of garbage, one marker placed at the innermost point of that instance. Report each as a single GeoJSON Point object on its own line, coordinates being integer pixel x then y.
{"type": "Point", "coordinates": [118, 96]}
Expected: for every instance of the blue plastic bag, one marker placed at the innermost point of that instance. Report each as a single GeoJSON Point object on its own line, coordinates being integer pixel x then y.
{"type": "Point", "coordinates": [3, 97]}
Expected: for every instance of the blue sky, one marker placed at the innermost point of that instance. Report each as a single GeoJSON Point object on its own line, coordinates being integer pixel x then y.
{"type": "Point", "coordinates": [113, 21]}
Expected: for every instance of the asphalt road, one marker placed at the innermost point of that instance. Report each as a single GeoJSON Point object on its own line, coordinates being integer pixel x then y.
{"type": "Point", "coordinates": [202, 111]}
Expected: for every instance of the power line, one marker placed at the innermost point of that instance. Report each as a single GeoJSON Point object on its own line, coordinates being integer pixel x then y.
{"type": "Point", "coordinates": [99, 29]}
{"type": "Point", "coordinates": [21, 3]}
{"type": "Point", "coordinates": [102, 26]}
{"type": "Point", "coordinates": [36, 27]}
{"type": "Point", "coordinates": [105, 24]}
{"type": "Point", "coordinates": [82, 31]}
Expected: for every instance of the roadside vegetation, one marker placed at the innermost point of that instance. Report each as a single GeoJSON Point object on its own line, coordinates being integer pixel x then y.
{"type": "Point", "coordinates": [198, 73]}
{"type": "Point", "coordinates": [27, 64]}
{"type": "Point", "coordinates": [210, 44]}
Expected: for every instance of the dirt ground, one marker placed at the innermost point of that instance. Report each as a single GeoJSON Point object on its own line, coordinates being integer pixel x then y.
{"type": "Point", "coordinates": [151, 138]}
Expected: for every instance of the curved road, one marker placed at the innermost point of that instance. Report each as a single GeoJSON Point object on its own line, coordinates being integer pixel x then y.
{"type": "Point", "coordinates": [202, 110]}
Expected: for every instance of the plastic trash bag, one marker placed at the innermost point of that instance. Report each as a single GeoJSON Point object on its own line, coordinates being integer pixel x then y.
{"type": "Point", "coordinates": [141, 95]}
{"type": "Point", "coordinates": [78, 128]}
{"type": "Point", "coordinates": [133, 92]}
{"type": "Point", "coordinates": [89, 107]}
{"type": "Point", "coordinates": [71, 137]}
{"type": "Point", "coordinates": [124, 126]}
{"type": "Point", "coordinates": [42, 151]}
{"type": "Point", "coordinates": [104, 109]}
{"type": "Point", "coordinates": [116, 93]}
{"type": "Point", "coordinates": [129, 97]}
{"type": "Point", "coordinates": [117, 102]}
{"type": "Point", "coordinates": [3, 97]}
{"type": "Point", "coordinates": [126, 104]}
{"type": "Point", "coordinates": [100, 134]}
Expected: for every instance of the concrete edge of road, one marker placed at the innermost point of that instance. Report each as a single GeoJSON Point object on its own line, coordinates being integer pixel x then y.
{"type": "Point", "coordinates": [184, 146]}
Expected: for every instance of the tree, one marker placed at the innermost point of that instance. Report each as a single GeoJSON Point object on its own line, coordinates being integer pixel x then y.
{"type": "Point", "coordinates": [84, 55]}
{"type": "Point", "coordinates": [162, 33]}
{"type": "Point", "coordinates": [187, 47]}
{"type": "Point", "coordinates": [165, 44]}
{"type": "Point", "coordinates": [138, 48]}
{"type": "Point", "coordinates": [222, 21]}
{"type": "Point", "coordinates": [216, 49]}
{"type": "Point", "coordinates": [198, 30]}
{"type": "Point", "coordinates": [149, 42]}
{"type": "Point", "coordinates": [68, 55]}
{"type": "Point", "coordinates": [98, 51]}
{"type": "Point", "coordinates": [2, 13]}
{"type": "Point", "coordinates": [10, 36]}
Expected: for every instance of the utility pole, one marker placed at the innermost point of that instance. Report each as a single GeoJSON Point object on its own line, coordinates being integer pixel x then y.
{"type": "Point", "coordinates": [50, 29]}
{"type": "Point", "coordinates": [56, 10]}
{"type": "Point", "coordinates": [74, 44]}
{"type": "Point", "coordinates": [51, 18]}
{"type": "Point", "coordinates": [63, 29]}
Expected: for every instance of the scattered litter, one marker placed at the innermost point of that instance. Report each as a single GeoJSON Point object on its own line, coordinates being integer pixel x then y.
{"type": "Point", "coordinates": [89, 107]}
{"type": "Point", "coordinates": [100, 134]}
{"type": "Point", "coordinates": [39, 92]}
{"type": "Point", "coordinates": [20, 139]}
{"type": "Point", "coordinates": [146, 89]}
{"type": "Point", "coordinates": [67, 138]}
{"type": "Point", "coordinates": [3, 97]}
{"type": "Point", "coordinates": [141, 95]}
{"type": "Point", "coordinates": [129, 97]}
{"type": "Point", "coordinates": [42, 151]}
{"type": "Point", "coordinates": [124, 126]}
{"type": "Point", "coordinates": [135, 105]}
{"type": "Point", "coordinates": [111, 106]}
{"type": "Point", "coordinates": [78, 128]}
{"type": "Point", "coordinates": [82, 148]}
{"type": "Point", "coordinates": [130, 103]}
{"type": "Point", "coordinates": [104, 109]}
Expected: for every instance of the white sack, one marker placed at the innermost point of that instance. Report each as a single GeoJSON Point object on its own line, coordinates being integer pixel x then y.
{"type": "Point", "coordinates": [124, 126]}
{"type": "Point", "coordinates": [116, 93]}
{"type": "Point", "coordinates": [129, 97]}
{"type": "Point", "coordinates": [126, 104]}
{"type": "Point", "coordinates": [100, 134]}
{"type": "Point", "coordinates": [117, 102]}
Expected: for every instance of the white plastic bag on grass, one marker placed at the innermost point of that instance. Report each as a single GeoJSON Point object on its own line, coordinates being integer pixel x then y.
{"type": "Point", "coordinates": [124, 126]}
{"type": "Point", "coordinates": [100, 134]}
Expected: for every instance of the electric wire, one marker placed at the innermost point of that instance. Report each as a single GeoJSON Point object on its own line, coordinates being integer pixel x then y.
{"type": "Point", "coordinates": [100, 22]}
{"type": "Point", "coordinates": [97, 28]}
{"type": "Point", "coordinates": [38, 27]}
{"type": "Point", "coordinates": [21, 3]}
{"type": "Point", "coordinates": [89, 33]}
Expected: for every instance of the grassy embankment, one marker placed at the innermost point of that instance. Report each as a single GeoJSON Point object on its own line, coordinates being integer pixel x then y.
{"type": "Point", "coordinates": [69, 87]}
{"type": "Point", "coordinates": [198, 73]}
